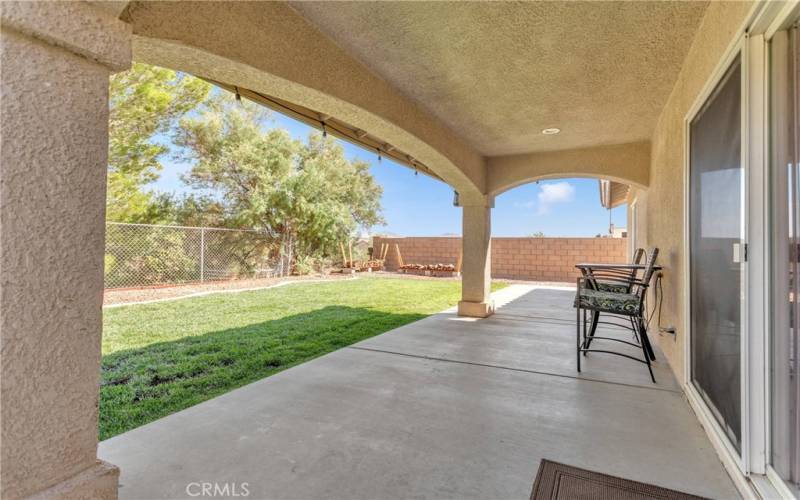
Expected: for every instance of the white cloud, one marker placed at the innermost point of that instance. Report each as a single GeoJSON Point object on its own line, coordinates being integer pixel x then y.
{"type": "Point", "coordinates": [525, 204]}
{"type": "Point", "coordinates": [553, 193]}
{"type": "Point", "coordinates": [549, 194]}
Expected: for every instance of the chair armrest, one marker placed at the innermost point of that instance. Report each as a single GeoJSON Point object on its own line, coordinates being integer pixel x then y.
{"type": "Point", "coordinates": [580, 283]}
{"type": "Point", "coordinates": [611, 279]}
{"type": "Point", "coordinates": [622, 280]}
{"type": "Point", "coordinates": [621, 267]}
{"type": "Point", "coordinates": [603, 273]}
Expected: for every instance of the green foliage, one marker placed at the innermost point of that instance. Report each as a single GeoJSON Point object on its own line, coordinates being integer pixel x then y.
{"type": "Point", "coordinates": [308, 195]}
{"type": "Point", "coordinates": [309, 264]}
{"type": "Point", "coordinates": [143, 102]}
{"type": "Point", "coordinates": [196, 211]}
{"type": "Point", "coordinates": [304, 264]}
{"type": "Point", "coordinates": [161, 358]}
{"type": "Point", "coordinates": [236, 254]}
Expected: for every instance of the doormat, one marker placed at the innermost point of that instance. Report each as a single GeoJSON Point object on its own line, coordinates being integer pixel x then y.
{"type": "Point", "coordinates": [556, 481]}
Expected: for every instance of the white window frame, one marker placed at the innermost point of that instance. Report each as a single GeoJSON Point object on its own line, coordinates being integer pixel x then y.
{"type": "Point", "coordinates": [633, 220]}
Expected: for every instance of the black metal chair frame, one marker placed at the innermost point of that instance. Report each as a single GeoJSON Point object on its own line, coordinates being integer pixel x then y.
{"type": "Point", "coordinates": [622, 275]}
{"type": "Point", "coordinates": [626, 273]}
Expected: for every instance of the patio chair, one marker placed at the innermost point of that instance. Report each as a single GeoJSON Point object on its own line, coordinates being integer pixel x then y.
{"type": "Point", "coordinates": [608, 280]}
{"type": "Point", "coordinates": [622, 273]}
{"type": "Point", "coordinates": [628, 303]}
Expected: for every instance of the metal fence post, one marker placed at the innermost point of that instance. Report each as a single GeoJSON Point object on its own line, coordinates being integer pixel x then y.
{"type": "Point", "coordinates": [202, 253]}
{"type": "Point", "coordinates": [280, 260]}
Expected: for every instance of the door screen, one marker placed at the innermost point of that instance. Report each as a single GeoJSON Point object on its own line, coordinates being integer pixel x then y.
{"type": "Point", "coordinates": [716, 231]}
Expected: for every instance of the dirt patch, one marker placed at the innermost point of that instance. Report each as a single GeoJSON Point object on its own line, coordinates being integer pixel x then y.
{"type": "Point", "coordinates": [128, 295]}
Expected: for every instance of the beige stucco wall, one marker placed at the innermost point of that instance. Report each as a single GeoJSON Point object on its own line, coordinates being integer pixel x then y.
{"type": "Point", "coordinates": [664, 200]}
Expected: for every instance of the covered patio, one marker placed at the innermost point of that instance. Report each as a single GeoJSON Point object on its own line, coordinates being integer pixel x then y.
{"type": "Point", "coordinates": [485, 97]}
{"type": "Point", "coordinates": [447, 407]}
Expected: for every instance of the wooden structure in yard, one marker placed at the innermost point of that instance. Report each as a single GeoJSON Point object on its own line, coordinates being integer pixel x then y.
{"type": "Point", "coordinates": [435, 270]}
{"type": "Point", "coordinates": [351, 266]}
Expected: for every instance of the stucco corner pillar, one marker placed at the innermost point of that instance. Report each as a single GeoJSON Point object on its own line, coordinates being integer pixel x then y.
{"type": "Point", "coordinates": [476, 266]}
{"type": "Point", "coordinates": [56, 58]}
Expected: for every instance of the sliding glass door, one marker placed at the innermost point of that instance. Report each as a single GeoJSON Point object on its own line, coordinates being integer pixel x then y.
{"type": "Point", "coordinates": [717, 251]}
{"type": "Point", "coordinates": [785, 133]}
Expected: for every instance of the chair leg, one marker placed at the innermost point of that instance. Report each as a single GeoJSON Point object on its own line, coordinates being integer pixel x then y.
{"type": "Point", "coordinates": [590, 336]}
{"type": "Point", "coordinates": [645, 340]}
{"type": "Point", "coordinates": [584, 329]}
{"type": "Point", "coordinates": [633, 327]}
{"type": "Point", "coordinates": [578, 335]}
{"type": "Point", "coordinates": [645, 348]}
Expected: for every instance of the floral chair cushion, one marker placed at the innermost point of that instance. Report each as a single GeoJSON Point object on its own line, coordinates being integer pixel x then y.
{"type": "Point", "coordinates": [616, 303]}
{"type": "Point", "coordinates": [612, 287]}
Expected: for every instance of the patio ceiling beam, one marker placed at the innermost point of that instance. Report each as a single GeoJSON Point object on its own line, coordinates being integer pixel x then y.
{"type": "Point", "coordinates": [625, 163]}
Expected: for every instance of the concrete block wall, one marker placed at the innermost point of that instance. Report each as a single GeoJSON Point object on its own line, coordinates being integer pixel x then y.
{"type": "Point", "coordinates": [535, 259]}
{"type": "Point", "coordinates": [419, 250]}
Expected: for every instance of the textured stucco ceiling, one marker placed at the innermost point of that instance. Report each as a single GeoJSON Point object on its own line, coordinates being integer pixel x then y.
{"type": "Point", "coordinates": [499, 73]}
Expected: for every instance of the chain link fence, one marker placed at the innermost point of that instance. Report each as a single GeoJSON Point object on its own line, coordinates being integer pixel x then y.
{"type": "Point", "coordinates": [146, 255]}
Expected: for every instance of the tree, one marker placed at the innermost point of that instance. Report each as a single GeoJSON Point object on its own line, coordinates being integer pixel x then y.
{"type": "Point", "coordinates": [144, 103]}
{"type": "Point", "coordinates": [333, 197]}
{"type": "Point", "coordinates": [197, 210]}
{"type": "Point", "coordinates": [307, 196]}
{"type": "Point", "coordinates": [537, 234]}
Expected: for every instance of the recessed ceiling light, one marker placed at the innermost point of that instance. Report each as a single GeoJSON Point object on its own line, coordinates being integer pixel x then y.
{"type": "Point", "coordinates": [551, 131]}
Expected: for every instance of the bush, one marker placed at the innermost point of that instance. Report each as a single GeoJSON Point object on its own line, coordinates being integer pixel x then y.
{"type": "Point", "coordinates": [136, 257]}
{"type": "Point", "coordinates": [306, 265]}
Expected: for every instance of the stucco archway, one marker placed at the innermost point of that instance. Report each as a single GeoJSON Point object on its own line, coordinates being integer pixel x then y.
{"type": "Point", "coordinates": [294, 62]}
{"type": "Point", "coordinates": [624, 163]}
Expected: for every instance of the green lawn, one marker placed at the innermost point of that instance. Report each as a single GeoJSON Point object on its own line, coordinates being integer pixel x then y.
{"type": "Point", "coordinates": [164, 357]}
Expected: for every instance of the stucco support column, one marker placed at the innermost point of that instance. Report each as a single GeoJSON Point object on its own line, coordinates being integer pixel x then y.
{"type": "Point", "coordinates": [476, 262]}
{"type": "Point", "coordinates": [56, 58]}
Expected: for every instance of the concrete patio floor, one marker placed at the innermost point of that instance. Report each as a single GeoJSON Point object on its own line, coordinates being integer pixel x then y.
{"type": "Point", "coordinates": [446, 407]}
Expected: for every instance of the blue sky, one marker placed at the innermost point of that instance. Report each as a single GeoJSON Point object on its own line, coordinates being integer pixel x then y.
{"type": "Point", "coordinates": [421, 206]}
